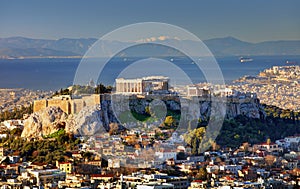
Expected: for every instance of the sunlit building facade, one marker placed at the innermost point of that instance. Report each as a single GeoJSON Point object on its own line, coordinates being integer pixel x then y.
{"type": "Point", "coordinates": [145, 85]}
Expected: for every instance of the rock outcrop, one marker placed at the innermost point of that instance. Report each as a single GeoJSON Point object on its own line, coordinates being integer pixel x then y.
{"type": "Point", "coordinates": [86, 123]}
{"type": "Point", "coordinates": [44, 122]}
{"type": "Point", "coordinates": [251, 108]}
{"type": "Point", "coordinates": [92, 119]}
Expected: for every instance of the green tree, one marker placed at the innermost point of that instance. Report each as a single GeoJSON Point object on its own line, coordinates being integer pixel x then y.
{"type": "Point", "coordinates": [16, 132]}
{"type": "Point", "coordinates": [169, 121]}
{"type": "Point", "coordinates": [102, 89]}
{"type": "Point", "coordinates": [202, 174]}
{"type": "Point", "coordinates": [194, 138]}
{"type": "Point", "coordinates": [87, 155]}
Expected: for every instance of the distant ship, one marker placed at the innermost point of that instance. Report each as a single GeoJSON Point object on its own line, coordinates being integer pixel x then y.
{"type": "Point", "coordinates": [244, 59]}
{"type": "Point", "coordinates": [291, 62]}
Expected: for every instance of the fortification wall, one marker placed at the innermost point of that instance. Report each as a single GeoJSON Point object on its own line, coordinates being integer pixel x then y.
{"type": "Point", "coordinates": [63, 104]}
{"type": "Point", "coordinates": [39, 105]}
{"type": "Point", "coordinates": [97, 99]}
{"type": "Point", "coordinates": [91, 100]}
{"type": "Point", "coordinates": [77, 105]}
{"type": "Point", "coordinates": [69, 106]}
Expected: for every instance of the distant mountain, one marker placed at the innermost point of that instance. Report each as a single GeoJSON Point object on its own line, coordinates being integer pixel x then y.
{"type": "Point", "coordinates": [16, 47]}
{"type": "Point", "coordinates": [26, 47]}
{"type": "Point", "coordinates": [276, 47]}
{"type": "Point", "coordinates": [33, 52]}
{"type": "Point", "coordinates": [228, 46]}
{"type": "Point", "coordinates": [232, 46]}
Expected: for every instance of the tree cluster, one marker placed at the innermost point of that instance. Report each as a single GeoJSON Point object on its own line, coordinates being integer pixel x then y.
{"type": "Point", "coordinates": [16, 113]}
{"type": "Point", "coordinates": [277, 124]}
{"type": "Point", "coordinates": [243, 129]}
{"type": "Point", "coordinates": [47, 150]}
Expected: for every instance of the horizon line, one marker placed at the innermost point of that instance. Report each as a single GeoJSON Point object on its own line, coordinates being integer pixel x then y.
{"type": "Point", "coordinates": [220, 37]}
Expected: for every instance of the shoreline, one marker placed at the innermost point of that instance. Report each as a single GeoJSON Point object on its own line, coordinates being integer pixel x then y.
{"type": "Point", "coordinates": [82, 56]}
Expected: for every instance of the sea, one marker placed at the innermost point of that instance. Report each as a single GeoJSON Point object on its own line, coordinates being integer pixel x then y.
{"type": "Point", "coordinates": [56, 73]}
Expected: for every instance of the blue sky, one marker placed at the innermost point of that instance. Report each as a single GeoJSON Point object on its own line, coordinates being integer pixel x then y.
{"type": "Point", "coordinates": [252, 21]}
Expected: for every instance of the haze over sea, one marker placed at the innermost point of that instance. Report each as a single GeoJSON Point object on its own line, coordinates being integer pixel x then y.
{"type": "Point", "coordinates": [53, 74]}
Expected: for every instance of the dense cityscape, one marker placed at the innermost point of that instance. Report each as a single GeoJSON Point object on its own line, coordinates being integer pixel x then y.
{"type": "Point", "coordinates": [149, 94]}
{"type": "Point", "coordinates": [65, 144]}
{"type": "Point", "coordinates": [279, 82]}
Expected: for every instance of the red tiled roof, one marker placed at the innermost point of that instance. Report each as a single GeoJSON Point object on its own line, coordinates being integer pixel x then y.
{"type": "Point", "coordinates": [101, 175]}
{"type": "Point", "coordinates": [264, 143]}
{"type": "Point", "coordinates": [229, 178]}
{"type": "Point", "coordinates": [199, 181]}
{"type": "Point", "coordinates": [13, 165]}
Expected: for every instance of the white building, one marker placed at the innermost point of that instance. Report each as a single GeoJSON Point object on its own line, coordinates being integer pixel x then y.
{"type": "Point", "coordinates": [232, 168]}
{"type": "Point", "coordinates": [3, 135]}
{"type": "Point", "coordinates": [288, 142]}
{"type": "Point", "coordinates": [12, 124]}
{"type": "Point", "coordinates": [197, 184]}
{"type": "Point", "coordinates": [156, 186]}
{"type": "Point", "coordinates": [145, 85]}
{"type": "Point", "coordinates": [165, 154]}
{"type": "Point", "coordinates": [292, 139]}
{"type": "Point", "coordinates": [48, 176]}
{"type": "Point", "coordinates": [269, 147]}
{"type": "Point", "coordinates": [194, 90]}
{"type": "Point", "coordinates": [114, 163]}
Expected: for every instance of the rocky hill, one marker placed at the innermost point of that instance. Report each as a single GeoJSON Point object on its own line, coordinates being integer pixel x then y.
{"type": "Point", "coordinates": [97, 118]}
{"type": "Point", "coordinates": [44, 122]}
{"type": "Point", "coordinates": [49, 120]}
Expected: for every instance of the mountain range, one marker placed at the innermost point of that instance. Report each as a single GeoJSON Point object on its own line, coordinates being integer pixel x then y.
{"type": "Point", "coordinates": [21, 47]}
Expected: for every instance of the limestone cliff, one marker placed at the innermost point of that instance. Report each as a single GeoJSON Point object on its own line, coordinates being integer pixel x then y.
{"type": "Point", "coordinates": [250, 108]}
{"type": "Point", "coordinates": [44, 122]}
{"type": "Point", "coordinates": [92, 119]}
{"type": "Point", "coordinates": [86, 123]}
